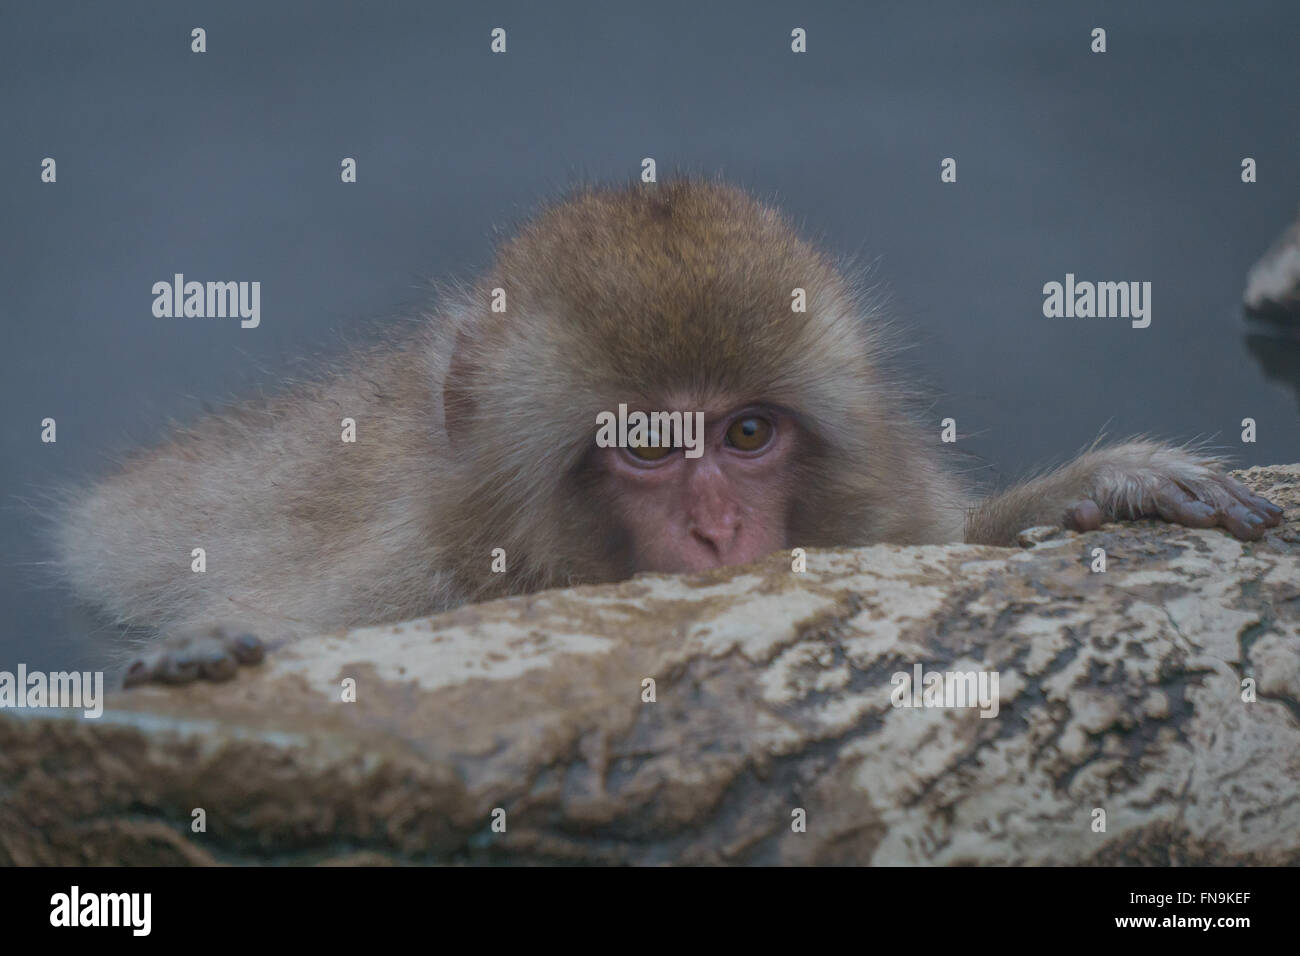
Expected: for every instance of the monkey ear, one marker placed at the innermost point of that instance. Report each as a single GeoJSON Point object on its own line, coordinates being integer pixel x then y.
{"type": "Point", "coordinates": [458, 405]}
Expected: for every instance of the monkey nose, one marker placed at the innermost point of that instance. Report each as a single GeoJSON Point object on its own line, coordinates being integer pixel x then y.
{"type": "Point", "coordinates": [718, 542]}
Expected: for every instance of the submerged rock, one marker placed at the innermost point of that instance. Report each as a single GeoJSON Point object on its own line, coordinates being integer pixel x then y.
{"type": "Point", "coordinates": [1273, 283]}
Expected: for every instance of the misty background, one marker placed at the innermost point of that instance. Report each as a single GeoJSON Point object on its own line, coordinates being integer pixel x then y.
{"type": "Point", "coordinates": [225, 166]}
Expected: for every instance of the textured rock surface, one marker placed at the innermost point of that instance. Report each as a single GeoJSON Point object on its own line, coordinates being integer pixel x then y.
{"type": "Point", "coordinates": [1119, 690]}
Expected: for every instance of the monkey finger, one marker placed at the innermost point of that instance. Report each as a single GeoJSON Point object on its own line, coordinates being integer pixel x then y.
{"type": "Point", "coordinates": [218, 665]}
{"type": "Point", "coordinates": [1268, 517]}
{"type": "Point", "coordinates": [1177, 506]}
{"type": "Point", "coordinates": [246, 648]}
{"type": "Point", "coordinates": [214, 653]}
{"type": "Point", "coordinates": [1242, 523]}
{"type": "Point", "coordinates": [139, 671]}
{"type": "Point", "coordinates": [176, 668]}
{"type": "Point", "coordinates": [1083, 516]}
{"type": "Point", "coordinates": [1269, 512]}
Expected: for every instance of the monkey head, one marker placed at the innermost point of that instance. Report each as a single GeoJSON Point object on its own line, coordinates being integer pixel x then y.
{"type": "Point", "coordinates": [683, 297]}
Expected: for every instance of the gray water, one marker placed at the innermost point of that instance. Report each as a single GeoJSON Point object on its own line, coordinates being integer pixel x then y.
{"type": "Point", "coordinates": [225, 165]}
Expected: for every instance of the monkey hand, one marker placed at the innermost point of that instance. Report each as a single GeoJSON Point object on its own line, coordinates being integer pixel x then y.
{"type": "Point", "coordinates": [1138, 479]}
{"type": "Point", "coordinates": [1149, 480]}
{"type": "Point", "coordinates": [211, 653]}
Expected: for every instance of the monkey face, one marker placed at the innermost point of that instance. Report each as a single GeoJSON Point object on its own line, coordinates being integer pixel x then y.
{"type": "Point", "coordinates": [683, 299]}
{"type": "Point", "coordinates": [722, 500]}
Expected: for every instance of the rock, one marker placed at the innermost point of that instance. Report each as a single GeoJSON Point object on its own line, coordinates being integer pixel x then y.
{"type": "Point", "coordinates": [1037, 535]}
{"type": "Point", "coordinates": [1272, 301]}
{"type": "Point", "coordinates": [1119, 691]}
{"type": "Point", "coordinates": [1273, 283]}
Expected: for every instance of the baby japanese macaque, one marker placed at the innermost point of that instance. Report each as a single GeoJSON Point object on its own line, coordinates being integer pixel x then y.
{"type": "Point", "coordinates": [475, 471]}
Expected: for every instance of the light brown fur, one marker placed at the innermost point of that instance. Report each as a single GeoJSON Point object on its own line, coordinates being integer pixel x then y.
{"type": "Point", "coordinates": [474, 434]}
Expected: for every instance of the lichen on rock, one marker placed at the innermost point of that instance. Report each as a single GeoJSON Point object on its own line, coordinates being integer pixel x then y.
{"type": "Point", "coordinates": [1118, 691]}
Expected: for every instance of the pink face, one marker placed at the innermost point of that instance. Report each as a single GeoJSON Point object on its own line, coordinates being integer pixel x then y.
{"type": "Point", "coordinates": [728, 506]}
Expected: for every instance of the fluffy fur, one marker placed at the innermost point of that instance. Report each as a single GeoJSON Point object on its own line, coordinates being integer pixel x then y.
{"type": "Point", "coordinates": [475, 433]}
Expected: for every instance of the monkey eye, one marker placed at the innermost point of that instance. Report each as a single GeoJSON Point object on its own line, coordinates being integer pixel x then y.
{"type": "Point", "coordinates": [749, 433]}
{"type": "Point", "coordinates": [652, 451]}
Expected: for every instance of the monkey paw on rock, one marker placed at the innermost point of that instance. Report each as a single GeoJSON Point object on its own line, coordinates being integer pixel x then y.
{"type": "Point", "coordinates": [1188, 492]}
{"type": "Point", "coordinates": [212, 653]}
